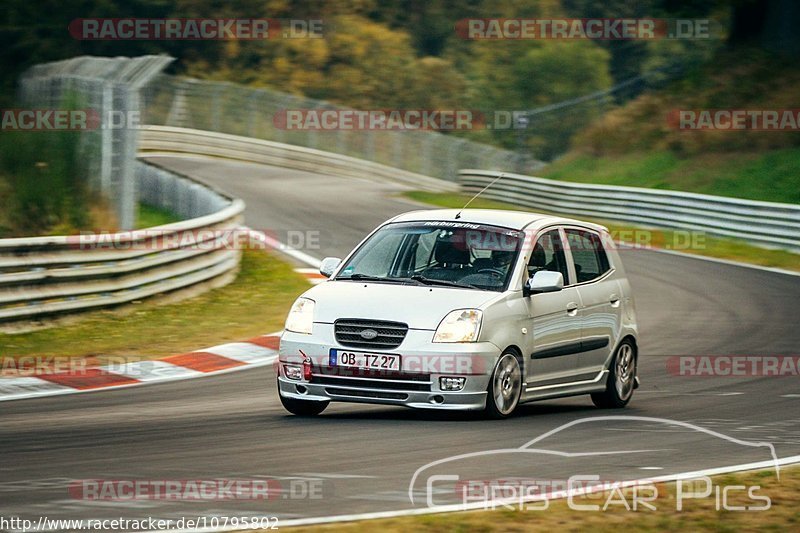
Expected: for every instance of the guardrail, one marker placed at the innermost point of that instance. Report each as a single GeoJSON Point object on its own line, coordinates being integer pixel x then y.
{"type": "Point", "coordinates": [766, 224]}
{"type": "Point", "coordinates": [43, 276]}
{"type": "Point", "coordinates": [185, 141]}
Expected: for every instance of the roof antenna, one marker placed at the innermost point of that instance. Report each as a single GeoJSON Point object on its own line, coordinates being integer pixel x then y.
{"type": "Point", "coordinates": [502, 175]}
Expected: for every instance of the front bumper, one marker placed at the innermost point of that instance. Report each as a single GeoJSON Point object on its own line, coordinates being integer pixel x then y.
{"type": "Point", "coordinates": [415, 385]}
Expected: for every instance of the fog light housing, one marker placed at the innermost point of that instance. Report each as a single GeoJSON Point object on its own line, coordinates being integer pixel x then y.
{"type": "Point", "coordinates": [293, 372]}
{"type": "Point", "coordinates": [451, 384]}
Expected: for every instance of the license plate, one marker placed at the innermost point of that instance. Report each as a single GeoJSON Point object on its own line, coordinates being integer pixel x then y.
{"type": "Point", "coordinates": [372, 361]}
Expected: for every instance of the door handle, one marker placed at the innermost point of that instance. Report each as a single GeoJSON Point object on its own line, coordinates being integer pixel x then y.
{"type": "Point", "coordinates": [614, 299]}
{"type": "Point", "coordinates": [572, 308]}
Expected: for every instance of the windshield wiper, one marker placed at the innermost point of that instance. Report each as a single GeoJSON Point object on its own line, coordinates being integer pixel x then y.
{"type": "Point", "coordinates": [367, 277]}
{"type": "Point", "coordinates": [416, 277]}
{"type": "Point", "coordinates": [446, 283]}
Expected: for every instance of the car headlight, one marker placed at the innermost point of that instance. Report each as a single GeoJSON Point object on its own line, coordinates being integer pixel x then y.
{"type": "Point", "coordinates": [461, 325]}
{"type": "Point", "coordinates": [301, 316]}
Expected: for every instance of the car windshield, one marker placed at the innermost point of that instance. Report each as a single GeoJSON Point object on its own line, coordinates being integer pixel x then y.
{"type": "Point", "coordinates": [456, 254]}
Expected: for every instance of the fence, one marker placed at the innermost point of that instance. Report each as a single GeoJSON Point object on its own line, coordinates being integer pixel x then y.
{"type": "Point", "coordinates": [762, 223]}
{"type": "Point", "coordinates": [44, 276]}
{"type": "Point", "coordinates": [110, 88]}
{"type": "Point", "coordinates": [244, 111]}
{"type": "Point", "coordinates": [50, 275]}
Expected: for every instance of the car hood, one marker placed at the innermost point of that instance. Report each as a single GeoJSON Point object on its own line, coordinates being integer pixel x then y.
{"type": "Point", "coordinates": [421, 307]}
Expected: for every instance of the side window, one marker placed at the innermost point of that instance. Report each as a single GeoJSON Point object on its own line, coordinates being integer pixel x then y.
{"type": "Point", "coordinates": [588, 255]}
{"type": "Point", "coordinates": [548, 254]}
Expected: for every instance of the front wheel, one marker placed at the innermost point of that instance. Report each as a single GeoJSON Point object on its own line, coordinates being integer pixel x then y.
{"type": "Point", "coordinates": [621, 379]}
{"type": "Point", "coordinates": [303, 407]}
{"type": "Point", "coordinates": [505, 387]}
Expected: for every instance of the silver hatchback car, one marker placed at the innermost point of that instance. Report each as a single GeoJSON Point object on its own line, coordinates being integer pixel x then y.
{"type": "Point", "coordinates": [469, 310]}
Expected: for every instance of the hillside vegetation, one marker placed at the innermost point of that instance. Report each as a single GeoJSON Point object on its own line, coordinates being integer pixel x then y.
{"type": "Point", "coordinates": [381, 54]}
{"type": "Point", "coordinates": [636, 145]}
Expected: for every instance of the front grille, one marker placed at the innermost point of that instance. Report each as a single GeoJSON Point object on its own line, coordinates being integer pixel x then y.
{"type": "Point", "coordinates": [390, 334]}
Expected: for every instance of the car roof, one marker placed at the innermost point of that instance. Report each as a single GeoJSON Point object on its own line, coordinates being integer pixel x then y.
{"type": "Point", "coordinates": [492, 217]}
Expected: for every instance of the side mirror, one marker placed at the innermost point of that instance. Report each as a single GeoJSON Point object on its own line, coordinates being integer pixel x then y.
{"type": "Point", "coordinates": [329, 266]}
{"type": "Point", "coordinates": [543, 281]}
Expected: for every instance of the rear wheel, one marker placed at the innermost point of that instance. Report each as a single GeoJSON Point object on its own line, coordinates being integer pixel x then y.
{"type": "Point", "coordinates": [505, 387]}
{"type": "Point", "coordinates": [621, 379]}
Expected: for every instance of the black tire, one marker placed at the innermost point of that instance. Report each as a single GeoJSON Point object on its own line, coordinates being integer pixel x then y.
{"type": "Point", "coordinates": [505, 387]}
{"type": "Point", "coordinates": [619, 391]}
{"type": "Point", "coordinates": [303, 407]}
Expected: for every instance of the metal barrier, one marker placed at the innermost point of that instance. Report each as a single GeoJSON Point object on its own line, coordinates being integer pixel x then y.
{"type": "Point", "coordinates": [763, 223]}
{"type": "Point", "coordinates": [42, 276]}
{"type": "Point", "coordinates": [183, 141]}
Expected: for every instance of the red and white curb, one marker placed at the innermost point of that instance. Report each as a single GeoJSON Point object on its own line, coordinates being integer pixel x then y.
{"type": "Point", "coordinates": [231, 357]}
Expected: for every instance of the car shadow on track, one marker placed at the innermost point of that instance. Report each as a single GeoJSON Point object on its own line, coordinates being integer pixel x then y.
{"type": "Point", "coordinates": [355, 412]}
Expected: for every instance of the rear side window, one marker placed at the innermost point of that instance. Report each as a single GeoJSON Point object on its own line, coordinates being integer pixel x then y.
{"type": "Point", "coordinates": [588, 255]}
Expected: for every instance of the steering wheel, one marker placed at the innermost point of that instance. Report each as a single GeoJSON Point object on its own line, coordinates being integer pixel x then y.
{"type": "Point", "coordinates": [496, 271]}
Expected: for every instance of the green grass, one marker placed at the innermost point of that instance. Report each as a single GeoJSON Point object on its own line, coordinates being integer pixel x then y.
{"type": "Point", "coordinates": [150, 216]}
{"type": "Point", "coordinates": [698, 514]}
{"type": "Point", "coordinates": [661, 238]}
{"type": "Point", "coordinates": [772, 176]}
{"type": "Point", "coordinates": [256, 303]}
